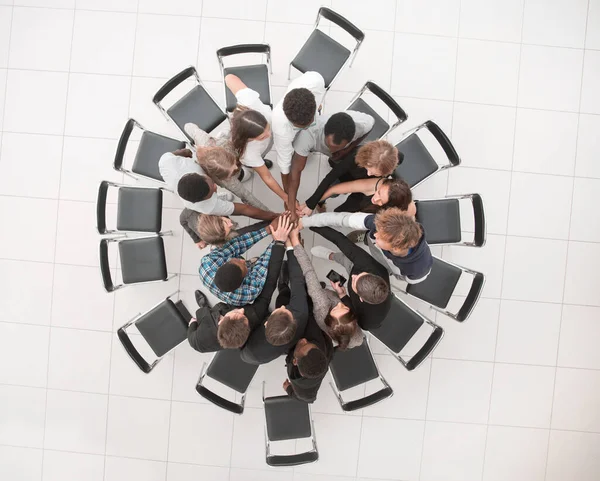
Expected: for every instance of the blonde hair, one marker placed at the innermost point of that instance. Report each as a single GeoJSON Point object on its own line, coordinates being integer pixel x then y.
{"type": "Point", "coordinates": [218, 162]}
{"type": "Point", "coordinates": [378, 154]}
{"type": "Point", "coordinates": [211, 229]}
{"type": "Point", "coordinates": [397, 228]}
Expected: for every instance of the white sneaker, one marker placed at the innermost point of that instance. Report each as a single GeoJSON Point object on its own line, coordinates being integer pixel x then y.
{"type": "Point", "coordinates": [321, 252]}
{"type": "Point", "coordinates": [245, 174]}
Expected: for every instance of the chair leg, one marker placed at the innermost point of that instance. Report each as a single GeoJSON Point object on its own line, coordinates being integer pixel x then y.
{"type": "Point", "coordinates": [289, 71]}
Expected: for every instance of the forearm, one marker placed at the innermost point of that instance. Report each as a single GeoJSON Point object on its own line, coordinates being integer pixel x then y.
{"type": "Point", "coordinates": [336, 219]}
{"type": "Point", "coordinates": [253, 212]}
{"type": "Point", "coordinates": [261, 304]}
{"type": "Point", "coordinates": [312, 281]}
{"type": "Point", "coordinates": [329, 179]}
{"type": "Point", "coordinates": [237, 188]}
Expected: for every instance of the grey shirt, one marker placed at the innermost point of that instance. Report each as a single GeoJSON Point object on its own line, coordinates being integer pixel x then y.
{"type": "Point", "coordinates": [323, 299]}
{"type": "Point", "coordinates": [313, 138]}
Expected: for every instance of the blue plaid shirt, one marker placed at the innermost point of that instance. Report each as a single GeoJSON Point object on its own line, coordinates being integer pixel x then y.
{"type": "Point", "coordinates": [255, 279]}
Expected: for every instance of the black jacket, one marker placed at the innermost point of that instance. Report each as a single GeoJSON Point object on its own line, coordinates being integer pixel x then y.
{"type": "Point", "coordinates": [202, 335]}
{"type": "Point", "coordinates": [302, 388]}
{"type": "Point", "coordinates": [369, 316]}
{"type": "Point", "coordinates": [258, 350]}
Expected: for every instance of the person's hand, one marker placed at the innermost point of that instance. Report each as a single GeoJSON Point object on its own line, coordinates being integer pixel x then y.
{"type": "Point", "coordinates": [201, 244]}
{"type": "Point", "coordinates": [294, 216]}
{"type": "Point", "coordinates": [183, 153]}
{"type": "Point", "coordinates": [303, 210]}
{"type": "Point", "coordinates": [286, 384]}
{"type": "Point", "coordinates": [273, 225]}
{"type": "Point", "coordinates": [340, 291]}
{"type": "Point", "coordinates": [284, 226]}
{"type": "Point", "coordinates": [295, 233]}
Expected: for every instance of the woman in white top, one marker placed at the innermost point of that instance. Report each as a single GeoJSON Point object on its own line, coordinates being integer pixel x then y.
{"type": "Point", "coordinates": [251, 131]}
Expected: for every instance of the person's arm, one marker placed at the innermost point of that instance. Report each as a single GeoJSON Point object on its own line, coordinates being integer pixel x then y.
{"type": "Point", "coordinates": [340, 169]}
{"type": "Point", "coordinates": [234, 83]}
{"type": "Point", "coordinates": [298, 165]}
{"type": "Point", "coordinates": [317, 294]}
{"type": "Point", "coordinates": [360, 258]}
{"type": "Point", "coordinates": [364, 186]}
{"type": "Point", "coordinates": [253, 212]}
{"type": "Point", "coordinates": [270, 182]}
{"type": "Point", "coordinates": [283, 138]}
{"type": "Point", "coordinates": [238, 245]}
{"type": "Point", "coordinates": [298, 299]}
{"type": "Point", "coordinates": [354, 220]}
{"type": "Point", "coordinates": [234, 185]}
{"type": "Point", "coordinates": [261, 304]}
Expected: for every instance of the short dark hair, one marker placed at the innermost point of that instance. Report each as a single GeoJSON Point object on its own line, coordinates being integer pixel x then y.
{"type": "Point", "coordinates": [372, 289]}
{"type": "Point", "coordinates": [229, 277]}
{"type": "Point", "coordinates": [233, 332]}
{"type": "Point", "coordinates": [280, 328]}
{"type": "Point", "coordinates": [299, 106]}
{"type": "Point", "coordinates": [193, 187]}
{"type": "Point", "coordinates": [314, 364]}
{"type": "Point", "coordinates": [341, 126]}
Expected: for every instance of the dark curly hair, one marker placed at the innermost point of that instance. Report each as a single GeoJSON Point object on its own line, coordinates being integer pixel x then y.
{"type": "Point", "coordinates": [193, 187]}
{"type": "Point", "coordinates": [299, 106]}
{"type": "Point", "coordinates": [341, 126]}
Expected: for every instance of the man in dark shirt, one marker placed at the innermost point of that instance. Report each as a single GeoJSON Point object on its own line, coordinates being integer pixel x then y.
{"type": "Point", "coordinates": [307, 363]}
{"type": "Point", "coordinates": [369, 288]}
{"type": "Point", "coordinates": [286, 325]}
{"type": "Point", "coordinates": [227, 327]}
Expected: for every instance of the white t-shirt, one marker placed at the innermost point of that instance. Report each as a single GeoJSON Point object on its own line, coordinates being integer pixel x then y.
{"type": "Point", "coordinates": [253, 155]}
{"type": "Point", "coordinates": [284, 132]}
{"type": "Point", "coordinates": [173, 167]}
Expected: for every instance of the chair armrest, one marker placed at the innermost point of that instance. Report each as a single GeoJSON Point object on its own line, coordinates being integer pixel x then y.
{"type": "Point", "coordinates": [105, 267]}
{"type": "Point", "coordinates": [341, 22]}
{"type": "Point", "coordinates": [292, 459]}
{"type": "Point", "coordinates": [244, 48]}
{"type": "Point", "coordinates": [101, 207]}
{"type": "Point", "coordinates": [427, 348]}
{"type": "Point", "coordinates": [122, 145]}
{"type": "Point", "coordinates": [479, 214]}
{"type": "Point", "coordinates": [472, 297]}
{"type": "Point", "coordinates": [132, 351]}
{"type": "Point", "coordinates": [172, 83]}
{"type": "Point", "coordinates": [388, 100]}
{"type": "Point", "coordinates": [444, 142]}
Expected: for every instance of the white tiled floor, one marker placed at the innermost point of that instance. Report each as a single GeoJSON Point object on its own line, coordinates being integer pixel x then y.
{"type": "Point", "coordinates": [512, 394]}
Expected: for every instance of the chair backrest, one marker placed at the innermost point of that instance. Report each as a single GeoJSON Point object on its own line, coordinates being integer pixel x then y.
{"type": "Point", "coordinates": [244, 48]}
{"type": "Point", "coordinates": [444, 142]}
{"type": "Point", "coordinates": [479, 214]}
{"type": "Point", "coordinates": [353, 367]}
{"type": "Point", "coordinates": [105, 266]}
{"type": "Point", "coordinates": [172, 83]}
{"type": "Point", "coordinates": [342, 22]}
{"type": "Point", "coordinates": [281, 460]}
{"type": "Point", "coordinates": [287, 418]}
{"type": "Point", "coordinates": [122, 144]}
{"type": "Point", "coordinates": [101, 207]}
{"type": "Point", "coordinates": [472, 297]}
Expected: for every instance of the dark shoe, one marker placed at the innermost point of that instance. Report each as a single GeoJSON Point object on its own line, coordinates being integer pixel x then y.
{"type": "Point", "coordinates": [284, 275]}
{"type": "Point", "coordinates": [201, 299]}
{"type": "Point", "coordinates": [268, 163]}
{"type": "Point", "coordinates": [323, 285]}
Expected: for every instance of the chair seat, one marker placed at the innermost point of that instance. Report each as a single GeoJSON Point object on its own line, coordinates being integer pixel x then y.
{"type": "Point", "coordinates": [199, 108]}
{"type": "Point", "coordinates": [418, 163]}
{"type": "Point", "coordinates": [139, 210]}
{"type": "Point", "coordinates": [353, 367]}
{"type": "Point", "coordinates": [287, 418]}
{"type": "Point", "coordinates": [255, 77]}
{"type": "Point", "coordinates": [321, 54]}
{"type": "Point", "coordinates": [399, 326]}
{"type": "Point", "coordinates": [437, 289]}
{"type": "Point", "coordinates": [440, 219]}
{"type": "Point", "coordinates": [143, 260]}
{"type": "Point", "coordinates": [379, 127]}
{"type": "Point", "coordinates": [228, 368]}
{"type": "Point", "coordinates": [152, 147]}
{"type": "Point", "coordinates": [163, 327]}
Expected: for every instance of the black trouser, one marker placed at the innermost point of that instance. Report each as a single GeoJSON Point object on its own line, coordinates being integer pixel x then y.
{"type": "Point", "coordinates": [355, 202]}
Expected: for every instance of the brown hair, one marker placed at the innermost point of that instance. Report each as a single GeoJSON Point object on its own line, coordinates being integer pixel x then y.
{"type": "Point", "coordinates": [211, 230]}
{"type": "Point", "coordinates": [399, 195]}
{"type": "Point", "coordinates": [378, 154]}
{"type": "Point", "coordinates": [280, 328]}
{"type": "Point", "coordinates": [246, 124]}
{"type": "Point", "coordinates": [233, 332]}
{"type": "Point", "coordinates": [218, 162]}
{"type": "Point", "coordinates": [397, 228]}
{"type": "Point", "coordinates": [341, 329]}
{"type": "Point", "coordinates": [372, 289]}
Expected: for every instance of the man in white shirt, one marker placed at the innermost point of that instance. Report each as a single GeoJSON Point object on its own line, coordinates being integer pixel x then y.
{"type": "Point", "coordinates": [198, 192]}
{"type": "Point", "coordinates": [295, 112]}
{"type": "Point", "coordinates": [334, 135]}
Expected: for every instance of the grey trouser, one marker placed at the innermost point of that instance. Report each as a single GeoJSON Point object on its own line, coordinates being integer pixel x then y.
{"type": "Point", "coordinates": [344, 261]}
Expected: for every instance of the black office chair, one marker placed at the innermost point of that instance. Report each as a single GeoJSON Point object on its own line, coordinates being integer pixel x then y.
{"type": "Point", "coordinates": [256, 77]}
{"type": "Point", "coordinates": [228, 369]}
{"type": "Point", "coordinates": [163, 328]}
{"type": "Point", "coordinates": [353, 367]}
{"type": "Point", "coordinates": [151, 147]}
{"type": "Point", "coordinates": [142, 260]}
{"type": "Point", "coordinates": [320, 53]}
{"type": "Point", "coordinates": [288, 418]}
{"type": "Point", "coordinates": [139, 209]}
{"type": "Point", "coordinates": [438, 288]}
{"type": "Point", "coordinates": [196, 106]}
{"type": "Point", "coordinates": [419, 164]}
{"type": "Point", "coordinates": [381, 126]}
{"type": "Point", "coordinates": [400, 325]}
{"type": "Point", "coordinates": [441, 220]}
